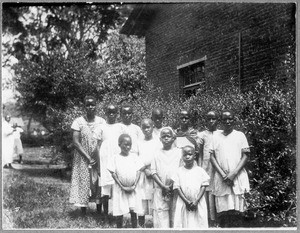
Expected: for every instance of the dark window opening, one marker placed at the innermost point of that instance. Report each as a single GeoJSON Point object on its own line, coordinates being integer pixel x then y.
{"type": "Point", "coordinates": [191, 78]}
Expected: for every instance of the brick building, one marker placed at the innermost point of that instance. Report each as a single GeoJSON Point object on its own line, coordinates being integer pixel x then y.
{"type": "Point", "coordinates": [193, 44]}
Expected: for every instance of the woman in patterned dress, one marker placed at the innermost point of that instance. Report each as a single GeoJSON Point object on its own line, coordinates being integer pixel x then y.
{"type": "Point", "coordinates": [86, 143]}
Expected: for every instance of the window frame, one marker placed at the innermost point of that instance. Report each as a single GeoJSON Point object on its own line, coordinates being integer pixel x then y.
{"type": "Point", "coordinates": [192, 86]}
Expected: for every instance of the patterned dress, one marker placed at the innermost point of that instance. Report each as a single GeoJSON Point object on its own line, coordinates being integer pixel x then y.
{"type": "Point", "coordinates": [81, 189]}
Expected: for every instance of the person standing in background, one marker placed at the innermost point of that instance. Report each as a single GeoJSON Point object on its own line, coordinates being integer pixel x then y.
{"type": "Point", "coordinates": [7, 142]}
{"type": "Point", "coordinates": [18, 147]}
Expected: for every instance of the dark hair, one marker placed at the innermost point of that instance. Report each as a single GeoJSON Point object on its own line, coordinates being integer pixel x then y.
{"type": "Point", "coordinates": [110, 104]}
{"type": "Point", "coordinates": [126, 106]}
{"type": "Point", "coordinates": [187, 146]}
{"type": "Point", "coordinates": [122, 136]}
{"type": "Point", "coordinates": [227, 110]}
{"type": "Point", "coordinates": [157, 111]}
{"type": "Point", "coordinates": [89, 97]}
{"type": "Point", "coordinates": [185, 110]}
{"type": "Point", "coordinates": [145, 120]}
{"type": "Point", "coordinates": [214, 112]}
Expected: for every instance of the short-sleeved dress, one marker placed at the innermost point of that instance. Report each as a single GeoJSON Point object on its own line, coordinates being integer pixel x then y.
{"type": "Point", "coordinates": [147, 150]}
{"type": "Point", "coordinates": [18, 147]}
{"type": "Point", "coordinates": [136, 134]}
{"type": "Point", "coordinates": [125, 167]}
{"type": "Point", "coordinates": [205, 138]}
{"type": "Point", "coordinates": [187, 138]}
{"type": "Point", "coordinates": [190, 182]}
{"type": "Point", "coordinates": [164, 164]}
{"type": "Point", "coordinates": [156, 132]}
{"type": "Point", "coordinates": [80, 182]}
{"type": "Point", "coordinates": [228, 151]}
{"type": "Point", "coordinates": [7, 143]}
{"type": "Point", "coordinates": [109, 147]}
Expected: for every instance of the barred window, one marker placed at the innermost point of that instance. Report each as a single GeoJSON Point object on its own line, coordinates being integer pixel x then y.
{"type": "Point", "coordinates": [191, 76]}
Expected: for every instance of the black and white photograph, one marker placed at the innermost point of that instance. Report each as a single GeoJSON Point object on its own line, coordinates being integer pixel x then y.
{"type": "Point", "coordinates": [149, 115]}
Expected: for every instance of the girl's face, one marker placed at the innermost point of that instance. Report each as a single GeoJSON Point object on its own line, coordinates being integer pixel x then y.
{"type": "Point", "coordinates": [126, 115]}
{"type": "Point", "coordinates": [211, 121]}
{"type": "Point", "coordinates": [188, 156]}
{"type": "Point", "coordinates": [111, 114]}
{"type": "Point", "coordinates": [167, 138]}
{"type": "Point", "coordinates": [125, 145]}
{"type": "Point", "coordinates": [90, 106]}
{"type": "Point", "coordinates": [147, 129]}
{"type": "Point", "coordinates": [184, 119]}
{"type": "Point", "coordinates": [227, 121]}
{"type": "Point", "coordinates": [157, 119]}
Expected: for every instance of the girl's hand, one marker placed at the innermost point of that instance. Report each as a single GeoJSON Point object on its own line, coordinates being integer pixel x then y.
{"type": "Point", "coordinates": [228, 182]}
{"type": "Point", "coordinates": [231, 176]}
{"type": "Point", "coordinates": [167, 188]}
{"type": "Point", "coordinates": [188, 205]}
{"type": "Point", "coordinates": [92, 162]}
{"type": "Point", "coordinates": [194, 206]}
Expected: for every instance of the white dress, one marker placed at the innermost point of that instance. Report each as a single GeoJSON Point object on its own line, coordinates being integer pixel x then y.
{"type": "Point", "coordinates": [7, 143]}
{"type": "Point", "coordinates": [109, 147]}
{"type": "Point", "coordinates": [228, 151]}
{"type": "Point", "coordinates": [190, 182]}
{"type": "Point", "coordinates": [135, 133]}
{"type": "Point", "coordinates": [18, 148]}
{"type": "Point", "coordinates": [147, 150]}
{"type": "Point", "coordinates": [205, 138]}
{"type": "Point", "coordinates": [125, 167]}
{"type": "Point", "coordinates": [164, 164]}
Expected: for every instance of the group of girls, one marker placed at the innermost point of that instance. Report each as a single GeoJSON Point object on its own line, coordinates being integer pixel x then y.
{"type": "Point", "coordinates": [183, 178]}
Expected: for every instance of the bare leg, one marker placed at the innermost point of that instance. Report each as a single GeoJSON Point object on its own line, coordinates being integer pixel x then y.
{"type": "Point", "coordinates": [133, 219]}
{"type": "Point", "coordinates": [119, 221]}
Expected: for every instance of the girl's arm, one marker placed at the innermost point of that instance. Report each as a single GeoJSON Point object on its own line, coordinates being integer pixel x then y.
{"type": "Point", "coordinates": [239, 167]}
{"type": "Point", "coordinates": [201, 193]}
{"type": "Point", "coordinates": [194, 204]}
{"type": "Point", "coordinates": [138, 175]}
{"type": "Point", "coordinates": [200, 159]}
{"type": "Point", "coordinates": [216, 165]}
{"type": "Point", "coordinates": [183, 197]}
{"type": "Point", "coordinates": [115, 177]}
{"type": "Point", "coordinates": [97, 153]}
{"type": "Point", "coordinates": [160, 184]}
{"type": "Point", "coordinates": [78, 146]}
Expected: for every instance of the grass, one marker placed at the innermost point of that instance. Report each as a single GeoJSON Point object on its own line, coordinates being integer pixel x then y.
{"type": "Point", "coordinates": [38, 199]}
{"type": "Point", "coordinates": [43, 204]}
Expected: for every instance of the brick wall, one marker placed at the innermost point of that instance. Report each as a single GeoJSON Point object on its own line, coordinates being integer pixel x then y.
{"type": "Point", "coordinates": [180, 33]}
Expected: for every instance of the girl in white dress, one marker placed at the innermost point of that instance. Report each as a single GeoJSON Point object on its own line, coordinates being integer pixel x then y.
{"type": "Point", "coordinates": [133, 130]}
{"type": "Point", "coordinates": [7, 143]}
{"type": "Point", "coordinates": [125, 169]}
{"type": "Point", "coordinates": [165, 162]}
{"type": "Point", "coordinates": [230, 151]}
{"type": "Point", "coordinates": [110, 133]}
{"type": "Point", "coordinates": [147, 148]}
{"type": "Point", "coordinates": [204, 139]}
{"type": "Point", "coordinates": [190, 181]}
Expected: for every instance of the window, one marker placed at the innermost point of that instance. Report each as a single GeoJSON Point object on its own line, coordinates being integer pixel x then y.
{"type": "Point", "coordinates": [191, 76]}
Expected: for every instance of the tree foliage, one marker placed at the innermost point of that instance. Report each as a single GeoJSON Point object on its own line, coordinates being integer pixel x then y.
{"type": "Point", "coordinates": [44, 29]}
